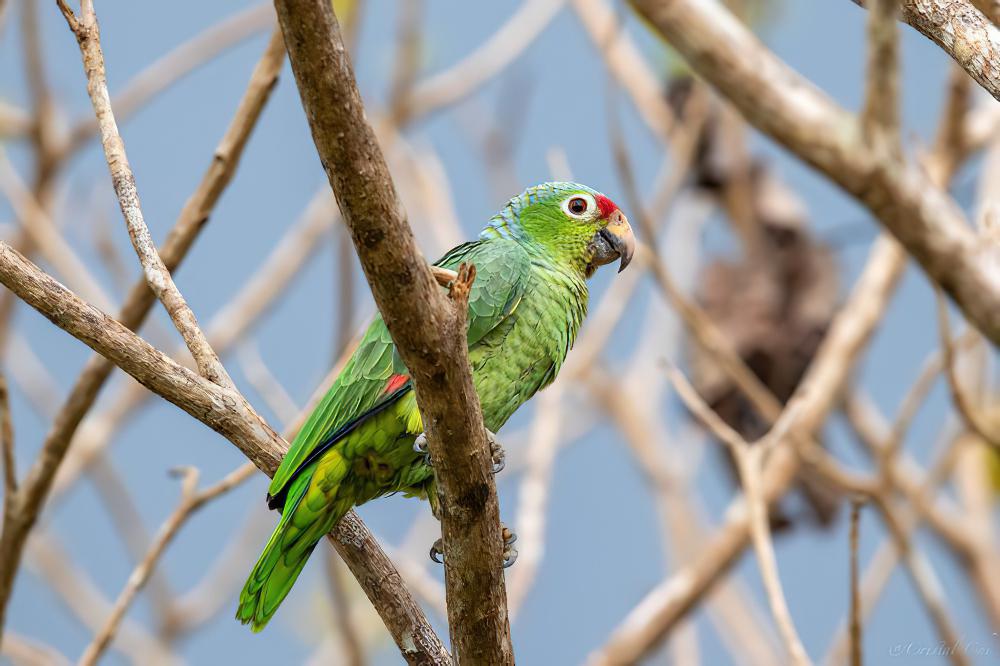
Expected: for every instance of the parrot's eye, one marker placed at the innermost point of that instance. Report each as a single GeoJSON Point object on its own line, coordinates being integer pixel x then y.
{"type": "Point", "coordinates": [578, 205]}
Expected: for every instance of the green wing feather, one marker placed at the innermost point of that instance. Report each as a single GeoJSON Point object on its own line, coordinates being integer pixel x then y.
{"type": "Point", "coordinates": [502, 268]}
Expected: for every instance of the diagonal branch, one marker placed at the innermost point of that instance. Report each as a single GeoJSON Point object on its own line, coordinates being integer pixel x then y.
{"type": "Point", "coordinates": [667, 603]}
{"type": "Point", "coordinates": [748, 462]}
{"type": "Point", "coordinates": [790, 109]}
{"type": "Point", "coordinates": [428, 329]}
{"type": "Point", "coordinates": [88, 36]}
{"type": "Point", "coordinates": [226, 412]}
{"type": "Point", "coordinates": [965, 34]}
{"type": "Point", "coordinates": [190, 502]}
{"type": "Point", "coordinates": [38, 482]}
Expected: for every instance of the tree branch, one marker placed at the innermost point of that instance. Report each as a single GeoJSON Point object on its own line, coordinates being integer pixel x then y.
{"type": "Point", "coordinates": [227, 413]}
{"type": "Point", "coordinates": [190, 502]}
{"type": "Point", "coordinates": [39, 479]}
{"type": "Point", "coordinates": [850, 331]}
{"type": "Point", "coordinates": [429, 331]}
{"type": "Point", "coordinates": [965, 34]}
{"type": "Point", "coordinates": [158, 277]}
{"type": "Point", "coordinates": [785, 106]}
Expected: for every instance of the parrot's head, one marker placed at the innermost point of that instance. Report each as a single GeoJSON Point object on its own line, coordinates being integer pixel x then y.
{"type": "Point", "coordinates": [572, 224]}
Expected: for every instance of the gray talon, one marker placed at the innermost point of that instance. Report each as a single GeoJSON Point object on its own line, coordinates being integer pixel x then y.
{"type": "Point", "coordinates": [437, 552]}
{"type": "Point", "coordinates": [497, 453]}
{"type": "Point", "coordinates": [420, 446]}
{"type": "Point", "coordinates": [509, 552]}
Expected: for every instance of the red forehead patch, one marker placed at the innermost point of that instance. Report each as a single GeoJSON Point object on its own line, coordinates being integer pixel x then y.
{"type": "Point", "coordinates": [606, 205]}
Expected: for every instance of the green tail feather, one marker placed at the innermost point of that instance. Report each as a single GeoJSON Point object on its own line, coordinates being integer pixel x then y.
{"type": "Point", "coordinates": [279, 565]}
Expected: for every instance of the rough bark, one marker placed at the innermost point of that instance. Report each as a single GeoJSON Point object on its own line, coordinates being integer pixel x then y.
{"type": "Point", "coordinates": [427, 327]}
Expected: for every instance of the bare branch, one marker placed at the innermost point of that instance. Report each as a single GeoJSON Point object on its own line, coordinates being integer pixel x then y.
{"type": "Point", "coordinates": [791, 110]}
{"type": "Point", "coordinates": [230, 416]}
{"type": "Point", "coordinates": [171, 67]}
{"type": "Point", "coordinates": [970, 414]}
{"type": "Point", "coordinates": [880, 117]}
{"type": "Point", "coordinates": [157, 275]}
{"type": "Point", "coordinates": [748, 461]}
{"type": "Point", "coordinates": [429, 331]}
{"type": "Point", "coordinates": [190, 502]}
{"type": "Point", "coordinates": [7, 446]}
{"type": "Point", "coordinates": [855, 623]}
{"type": "Point", "coordinates": [666, 604]}
{"type": "Point", "coordinates": [40, 477]}
{"type": "Point", "coordinates": [494, 54]}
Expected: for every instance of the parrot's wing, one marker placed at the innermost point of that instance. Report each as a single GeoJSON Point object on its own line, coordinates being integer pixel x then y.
{"type": "Point", "coordinates": [375, 376]}
{"type": "Point", "coordinates": [372, 379]}
{"type": "Point", "coordinates": [502, 269]}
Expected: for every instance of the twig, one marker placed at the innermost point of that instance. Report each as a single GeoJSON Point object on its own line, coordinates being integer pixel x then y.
{"type": "Point", "coordinates": [627, 65]}
{"type": "Point", "coordinates": [532, 506]}
{"type": "Point", "coordinates": [970, 414]}
{"type": "Point", "coordinates": [35, 221]}
{"type": "Point", "coordinates": [900, 522]}
{"type": "Point", "coordinates": [124, 514]}
{"type": "Point", "coordinates": [354, 649]}
{"type": "Point", "coordinates": [749, 638]}
{"type": "Point", "coordinates": [748, 459]}
{"type": "Point", "coordinates": [427, 328]}
{"type": "Point", "coordinates": [855, 623]}
{"type": "Point", "coordinates": [880, 116]}
{"type": "Point", "coordinates": [140, 300]}
{"type": "Point", "coordinates": [265, 383]}
{"type": "Point", "coordinates": [344, 276]}
{"type": "Point", "coordinates": [7, 444]}
{"type": "Point", "coordinates": [662, 608]}
{"type": "Point", "coordinates": [495, 53]}
{"type": "Point", "coordinates": [407, 61]}
{"type": "Point", "coordinates": [173, 66]}
{"type": "Point", "coordinates": [84, 599]}
{"type": "Point", "coordinates": [157, 275]}
{"type": "Point", "coordinates": [191, 501]}
{"type": "Point", "coordinates": [26, 652]}
{"type": "Point", "coordinates": [221, 580]}
{"type": "Point", "coordinates": [228, 325]}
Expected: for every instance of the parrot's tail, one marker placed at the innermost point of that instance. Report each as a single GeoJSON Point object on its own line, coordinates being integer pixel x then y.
{"type": "Point", "coordinates": [286, 552]}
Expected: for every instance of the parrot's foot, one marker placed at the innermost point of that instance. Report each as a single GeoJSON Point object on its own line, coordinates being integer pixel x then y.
{"type": "Point", "coordinates": [496, 451]}
{"type": "Point", "coordinates": [420, 446]}
{"type": "Point", "coordinates": [509, 552]}
{"type": "Point", "coordinates": [437, 551]}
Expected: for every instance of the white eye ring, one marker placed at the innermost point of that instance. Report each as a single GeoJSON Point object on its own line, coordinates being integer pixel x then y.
{"type": "Point", "coordinates": [591, 205]}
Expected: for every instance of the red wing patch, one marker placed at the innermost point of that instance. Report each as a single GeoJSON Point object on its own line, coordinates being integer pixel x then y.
{"type": "Point", "coordinates": [395, 382]}
{"type": "Point", "coordinates": [606, 205]}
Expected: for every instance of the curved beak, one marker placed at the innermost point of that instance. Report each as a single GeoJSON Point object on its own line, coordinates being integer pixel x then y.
{"type": "Point", "coordinates": [614, 241]}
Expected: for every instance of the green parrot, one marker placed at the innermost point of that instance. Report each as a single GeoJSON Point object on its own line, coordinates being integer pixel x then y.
{"type": "Point", "coordinates": [525, 307]}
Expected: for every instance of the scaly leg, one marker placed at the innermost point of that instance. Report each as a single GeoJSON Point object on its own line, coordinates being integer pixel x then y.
{"type": "Point", "coordinates": [496, 451]}
{"type": "Point", "coordinates": [509, 552]}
